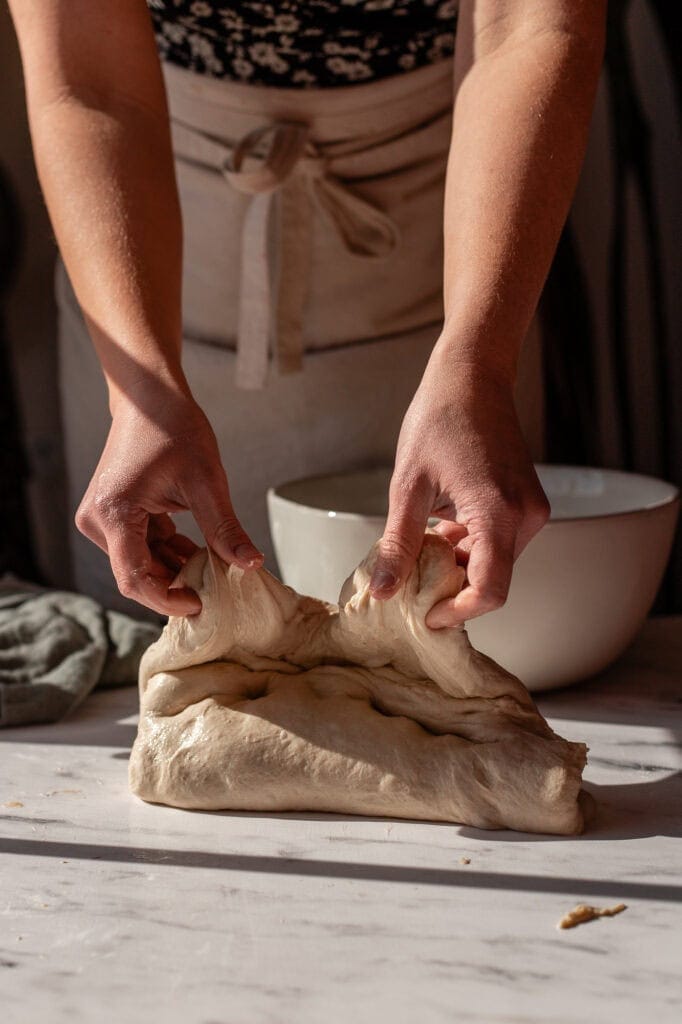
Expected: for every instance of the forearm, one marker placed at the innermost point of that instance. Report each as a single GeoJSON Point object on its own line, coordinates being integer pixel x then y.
{"type": "Point", "coordinates": [99, 125]}
{"type": "Point", "coordinates": [107, 177]}
{"type": "Point", "coordinates": [520, 125]}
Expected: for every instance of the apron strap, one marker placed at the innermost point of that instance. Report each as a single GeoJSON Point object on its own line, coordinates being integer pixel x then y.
{"type": "Point", "coordinates": [295, 168]}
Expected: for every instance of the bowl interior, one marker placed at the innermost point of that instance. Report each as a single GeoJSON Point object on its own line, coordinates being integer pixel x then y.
{"type": "Point", "coordinates": [577, 492]}
{"type": "Point", "coordinates": [574, 492]}
{"type": "Point", "coordinates": [363, 493]}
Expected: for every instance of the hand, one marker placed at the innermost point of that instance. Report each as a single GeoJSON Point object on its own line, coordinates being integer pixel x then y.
{"type": "Point", "coordinates": [161, 456]}
{"type": "Point", "coordinates": [461, 456]}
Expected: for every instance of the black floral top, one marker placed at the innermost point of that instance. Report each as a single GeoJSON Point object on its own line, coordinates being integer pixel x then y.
{"type": "Point", "coordinates": [301, 43]}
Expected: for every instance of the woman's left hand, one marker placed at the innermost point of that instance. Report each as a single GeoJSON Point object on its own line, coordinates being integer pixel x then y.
{"type": "Point", "coordinates": [461, 456]}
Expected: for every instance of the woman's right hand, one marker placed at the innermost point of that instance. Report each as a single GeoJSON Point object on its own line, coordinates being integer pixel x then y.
{"type": "Point", "coordinates": [161, 456]}
{"type": "Point", "coordinates": [98, 112]}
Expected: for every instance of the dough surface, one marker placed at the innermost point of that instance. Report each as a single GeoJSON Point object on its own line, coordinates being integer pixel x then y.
{"type": "Point", "coordinates": [270, 701]}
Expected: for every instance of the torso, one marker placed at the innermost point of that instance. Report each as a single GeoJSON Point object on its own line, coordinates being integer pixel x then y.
{"type": "Point", "coordinates": [303, 43]}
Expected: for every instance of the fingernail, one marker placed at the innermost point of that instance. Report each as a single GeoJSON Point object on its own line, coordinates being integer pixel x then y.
{"type": "Point", "coordinates": [249, 555]}
{"type": "Point", "coordinates": [382, 579]}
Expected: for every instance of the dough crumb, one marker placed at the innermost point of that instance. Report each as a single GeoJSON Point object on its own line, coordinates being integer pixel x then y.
{"type": "Point", "coordinates": [583, 913]}
{"type": "Point", "coordinates": [13, 803]}
{"type": "Point", "coordinates": [465, 860]}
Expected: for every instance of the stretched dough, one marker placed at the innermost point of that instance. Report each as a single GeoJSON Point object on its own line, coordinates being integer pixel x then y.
{"type": "Point", "coordinates": [269, 701]}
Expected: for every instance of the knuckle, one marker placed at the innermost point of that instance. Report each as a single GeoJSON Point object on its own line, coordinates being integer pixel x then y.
{"type": "Point", "coordinates": [496, 513]}
{"type": "Point", "coordinates": [512, 514]}
{"type": "Point", "coordinates": [406, 483]}
{"type": "Point", "coordinates": [102, 505]}
{"type": "Point", "coordinates": [493, 597]}
{"type": "Point", "coordinates": [84, 520]}
{"type": "Point", "coordinates": [226, 531]}
{"type": "Point", "coordinates": [130, 580]}
{"type": "Point", "coordinates": [395, 547]}
{"type": "Point", "coordinates": [512, 511]}
{"type": "Point", "coordinates": [538, 511]}
{"type": "Point", "coordinates": [111, 509]}
{"type": "Point", "coordinates": [498, 598]}
{"type": "Point", "coordinates": [127, 586]}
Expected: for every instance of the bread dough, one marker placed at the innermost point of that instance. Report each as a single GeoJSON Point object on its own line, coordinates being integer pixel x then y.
{"type": "Point", "coordinates": [270, 701]}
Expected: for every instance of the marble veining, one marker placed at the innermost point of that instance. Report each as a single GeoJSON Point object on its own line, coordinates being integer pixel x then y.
{"type": "Point", "coordinates": [114, 910]}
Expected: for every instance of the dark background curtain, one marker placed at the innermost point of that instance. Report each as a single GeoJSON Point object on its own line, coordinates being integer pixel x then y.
{"type": "Point", "coordinates": [16, 544]}
{"type": "Point", "coordinates": [575, 320]}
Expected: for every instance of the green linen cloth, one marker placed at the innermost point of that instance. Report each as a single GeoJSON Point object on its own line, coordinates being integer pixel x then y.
{"type": "Point", "coordinates": [57, 646]}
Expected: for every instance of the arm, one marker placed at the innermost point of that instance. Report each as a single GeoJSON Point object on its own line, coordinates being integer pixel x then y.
{"type": "Point", "coordinates": [526, 73]}
{"type": "Point", "coordinates": [99, 126]}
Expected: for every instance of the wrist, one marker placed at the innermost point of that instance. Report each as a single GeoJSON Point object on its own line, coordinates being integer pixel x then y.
{"type": "Point", "coordinates": [468, 362]}
{"type": "Point", "coordinates": [149, 389]}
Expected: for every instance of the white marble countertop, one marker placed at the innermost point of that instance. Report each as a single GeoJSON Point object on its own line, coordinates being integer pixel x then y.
{"type": "Point", "coordinates": [114, 910]}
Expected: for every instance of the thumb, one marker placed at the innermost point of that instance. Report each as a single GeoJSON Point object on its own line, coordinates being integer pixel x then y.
{"type": "Point", "coordinates": [403, 537]}
{"type": "Point", "coordinates": [489, 572]}
{"type": "Point", "coordinates": [212, 508]}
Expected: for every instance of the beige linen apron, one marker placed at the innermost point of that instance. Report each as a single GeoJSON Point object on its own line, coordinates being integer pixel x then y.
{"type": "Point", "coordinates": [332, 235]}
{"type": "Point", "coordinates": [312, 282]}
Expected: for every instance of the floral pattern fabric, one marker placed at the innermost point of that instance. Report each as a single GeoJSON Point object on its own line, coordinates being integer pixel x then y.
{"type": "Point", "coordinates": [303, 43]}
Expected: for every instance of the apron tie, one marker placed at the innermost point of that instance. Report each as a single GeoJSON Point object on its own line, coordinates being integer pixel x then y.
{"type": "Point", "coordinates": [295, 168]}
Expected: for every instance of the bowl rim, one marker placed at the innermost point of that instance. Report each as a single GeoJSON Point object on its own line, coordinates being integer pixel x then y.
{"type": "Point", "coordinates": [673, 498]}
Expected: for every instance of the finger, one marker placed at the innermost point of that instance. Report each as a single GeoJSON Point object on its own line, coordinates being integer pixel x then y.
{"type": "Point", "coordinates": [167, 557]}
{"type": "Point", "coordinates": [489, 572]}
{"type": "Point", "coordinates": [463, 550]}
{"type": "Point", "coordinates": [402, 538]}
{"type": "Point", "coordinates": [143, 578]}
{"type": "Point", "coordinates": [216, 518]}
{"type": "Point", "coordinates": [182, 545]}
{"type": "Point", "coordinates": [161, 526]}
{"type": "Point", "coordinates": [87, 524]}
{"type": "Point", "coordinates": [454, 532]}
{"type": "Point", "coordinates": [175, 551]}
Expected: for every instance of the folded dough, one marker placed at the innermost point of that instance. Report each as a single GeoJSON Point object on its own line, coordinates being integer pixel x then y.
{"type": "Point", "coordinates": [269, 701]}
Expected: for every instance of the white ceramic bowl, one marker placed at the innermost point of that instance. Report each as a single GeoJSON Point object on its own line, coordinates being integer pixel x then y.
{"type": "Point", "coordinates": [580, 590]}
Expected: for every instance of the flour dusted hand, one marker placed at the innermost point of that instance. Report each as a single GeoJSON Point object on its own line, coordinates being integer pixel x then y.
{"type": "Point", "coordinates": [269, 701]}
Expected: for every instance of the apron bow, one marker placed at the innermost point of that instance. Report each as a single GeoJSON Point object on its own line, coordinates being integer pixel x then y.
{"type": "Point", "coordinates": [295, 169]}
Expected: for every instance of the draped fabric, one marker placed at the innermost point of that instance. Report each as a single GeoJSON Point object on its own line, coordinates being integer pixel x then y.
{"type": "Point", "coordinates": [16, 545]}
{"type": "Point", "coordinates": [610, 313]}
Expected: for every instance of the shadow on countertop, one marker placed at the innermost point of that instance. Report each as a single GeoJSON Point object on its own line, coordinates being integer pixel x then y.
{"type": "Point", "coordinates": [362, 872]}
